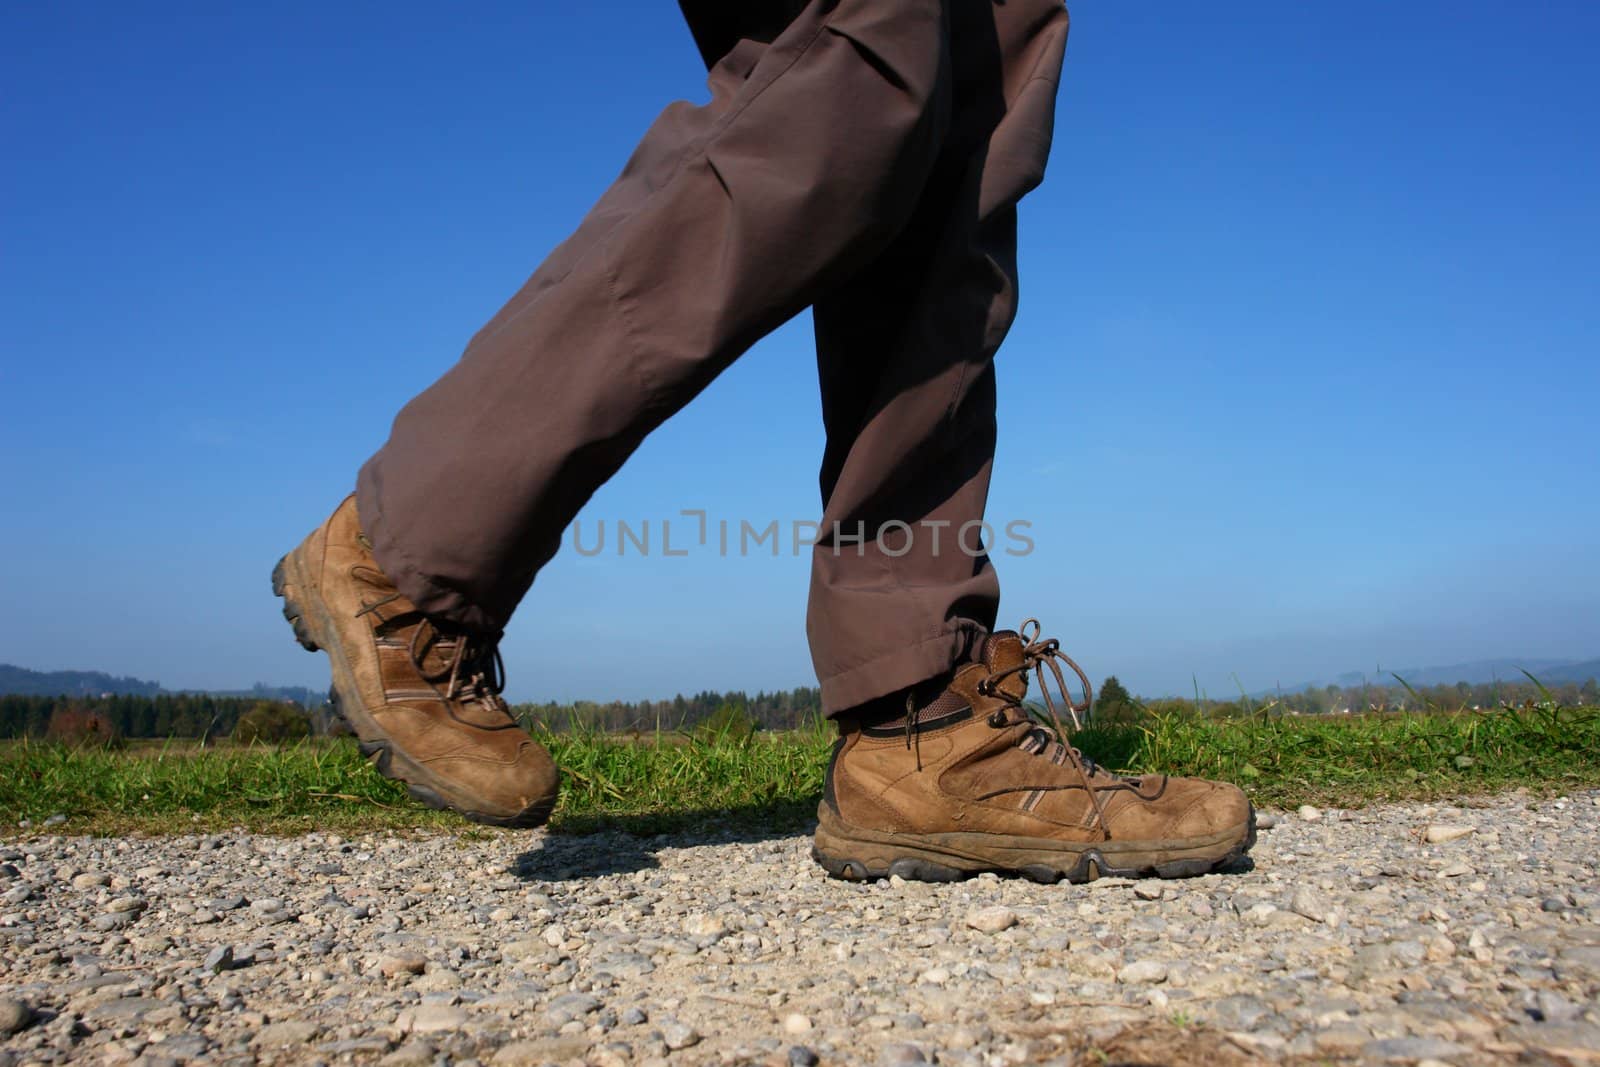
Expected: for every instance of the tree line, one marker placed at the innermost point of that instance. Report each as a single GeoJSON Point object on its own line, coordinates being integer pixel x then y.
{"type": "Point", "coordinates": [784, 709]}
{"type": "Point", "coordinates": [199, 716]}
{"type": "Point", "coordinates": [126, 715]}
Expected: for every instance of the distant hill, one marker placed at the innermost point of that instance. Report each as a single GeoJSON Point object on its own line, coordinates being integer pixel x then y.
{"type": "Point", "coordinates": [296, 694]}
{"type": "Point", "coordinates": [1475, 672]}
{"type": "Point", "coordinates": [1548, 671]}
{"type": "Point", "coordinates": [20, 681]}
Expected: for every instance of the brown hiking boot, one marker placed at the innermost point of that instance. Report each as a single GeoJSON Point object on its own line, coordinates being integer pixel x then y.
{"type": "Point", "coordinates": [972, 783]}
{"type": "Point", "coordinates": [423, 698]}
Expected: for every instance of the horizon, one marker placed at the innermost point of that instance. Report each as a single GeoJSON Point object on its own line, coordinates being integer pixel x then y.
{"type": "Point", "coordinates": [1303, 377]}
{"type": "Point", "coordinates": [1382, 677]}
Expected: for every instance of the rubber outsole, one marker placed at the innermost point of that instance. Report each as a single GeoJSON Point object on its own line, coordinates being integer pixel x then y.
{"type": "Point", "coordinates": [385, 758]}
{"type": "Point", "coordinates": [1090, 864]}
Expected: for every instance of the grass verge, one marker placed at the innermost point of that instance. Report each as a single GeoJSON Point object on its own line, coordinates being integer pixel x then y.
{"type": "Point", "coordinates": [770, 782]}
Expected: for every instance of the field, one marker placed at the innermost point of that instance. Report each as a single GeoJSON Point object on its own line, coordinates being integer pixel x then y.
{"type": "Point", "coordinates": [653, 785]}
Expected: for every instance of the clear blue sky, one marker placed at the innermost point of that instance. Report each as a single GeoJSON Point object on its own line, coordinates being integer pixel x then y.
{"type": "Point", "coordinates": [1305, 378]}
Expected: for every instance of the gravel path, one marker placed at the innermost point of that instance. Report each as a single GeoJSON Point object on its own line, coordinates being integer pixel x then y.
{"type": "Point", "coordinates": [1398, 934]}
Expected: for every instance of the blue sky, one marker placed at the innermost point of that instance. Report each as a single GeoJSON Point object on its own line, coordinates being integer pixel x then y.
{"type": "Point", "coordinates": [1304, 379]}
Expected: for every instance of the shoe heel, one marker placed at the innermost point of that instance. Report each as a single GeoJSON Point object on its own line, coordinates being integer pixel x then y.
{"type": "Point", "coordinates": [291, 608]}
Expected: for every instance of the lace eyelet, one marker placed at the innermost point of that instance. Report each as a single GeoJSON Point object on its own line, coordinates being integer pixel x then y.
{"type": "Point", "coordinates": [997, 719]}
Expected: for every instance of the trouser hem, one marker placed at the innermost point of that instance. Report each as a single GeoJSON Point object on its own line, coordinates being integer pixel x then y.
{"type": "Point", "coordinates": [899, 669]}
{"type": "Point", "coordinates": [432, 598]}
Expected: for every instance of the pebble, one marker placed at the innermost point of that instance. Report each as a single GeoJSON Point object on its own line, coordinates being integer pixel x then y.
{"type": "Point", "coordinates": [992, 919]}
{"type": "Point", "coordinates": [1309, 813]}
{"type": "Point", "coordinates": [395, 966]}
{"type": "Point", "coordinates": [289, 1033]}
{"type": "Point", "coordinates": [15, 1015]}
{"type": "Point", "coordinates": [1439, 833]}
{"type": "Point", "coordinates": [415, 1053]}
{"type": "Point", "coordinates": [702, 925]}
{"type": "Point", "coordinates": [1309, 903]}
{"type": "Point", "coordinates": [1143, 972]}
{"type": "Point", "coordinates": [795, 1023]}
{"type": "Point", "coordinates": [678, 1035]}
{"type": "Point", "coordinates": [432, 1018]}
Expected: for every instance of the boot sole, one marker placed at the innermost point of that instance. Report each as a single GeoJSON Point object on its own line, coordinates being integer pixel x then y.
{"type": "Point", "coordinates": [311, 621]}
{"type": "Point", "coordinates": [858, 854]}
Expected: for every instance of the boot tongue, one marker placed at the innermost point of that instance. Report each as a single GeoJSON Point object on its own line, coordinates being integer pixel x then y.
{"type": "Point", "coordinates": [1002, 651]}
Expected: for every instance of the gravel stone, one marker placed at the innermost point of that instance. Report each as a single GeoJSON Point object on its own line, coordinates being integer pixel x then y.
{"type": "Point", "coordinates": [291, 1032]}
{"type": "Point", "coordinates": [704, 926]}
{"type": "Point", "coordinates": [432, 1018]}
{"type": "Point", "coordinates": [1143, 972]}
{"type": "Point", "coordinates": [677, 1035]}
{"type": "Point", "coordinates": [1309, 903]}
{"type": "Point", "coordinates": [992, 919]}
{"type": "Point", "coordinates": [15, 1015]}
{"type": "Point", "coordinates": [402, 964]}
{"type": "Point", "coordinates": [1439, 833]}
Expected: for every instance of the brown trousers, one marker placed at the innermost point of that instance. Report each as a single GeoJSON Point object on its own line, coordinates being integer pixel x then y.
{"type": "Point", "coordinates": [866, 161]}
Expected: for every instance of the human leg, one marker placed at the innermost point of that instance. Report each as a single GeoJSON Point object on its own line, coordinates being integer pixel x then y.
{"type": "Point", "coordinates": [728, 219]}
{"type": "Point", "coordinates": [964, 779]}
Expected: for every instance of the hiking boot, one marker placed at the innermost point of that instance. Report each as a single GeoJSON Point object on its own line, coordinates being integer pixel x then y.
{"type": "Point", "coordinates": [973, 782]}
{"type": "Point", "coordinates": [423, 697]}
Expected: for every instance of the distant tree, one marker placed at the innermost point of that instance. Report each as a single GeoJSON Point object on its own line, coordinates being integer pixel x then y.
{"type": "Point", "coordinates": [1114, 703]}
{"type": "Point", "coordinates": [272, 723]}
{"type": "Point", "coordinates": [731, 720]}
{"type": "Point", "coordinates": [1312, 701]}
{"type": "Point", "coordinates": [71, 724]}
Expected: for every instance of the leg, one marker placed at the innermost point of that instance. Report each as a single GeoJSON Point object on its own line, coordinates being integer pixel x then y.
{"type": "Point", "coordinates": [968, 780]}
{"type": "Point", "coordinates": [728, 220]}
{"type": "Point", "coordinates": [904, 350]}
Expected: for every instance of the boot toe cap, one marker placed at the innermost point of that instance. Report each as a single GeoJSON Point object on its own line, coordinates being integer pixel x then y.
{"type": "Point", "coordinates": [1216, 807]}
{"type": "Point", "coordinates": [521, 791]}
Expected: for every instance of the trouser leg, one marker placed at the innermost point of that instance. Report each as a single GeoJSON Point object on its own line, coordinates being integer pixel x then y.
{"type": "Point", "coordinates": [904, 351]}
{"type": "Point", "coordinates": [728, 219]}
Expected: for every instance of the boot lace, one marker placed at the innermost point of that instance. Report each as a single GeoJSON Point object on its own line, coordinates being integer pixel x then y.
{"type": "Point", "coordinates": [470, 668]}
{"type": "Point", "coordinates": [1041, 655]}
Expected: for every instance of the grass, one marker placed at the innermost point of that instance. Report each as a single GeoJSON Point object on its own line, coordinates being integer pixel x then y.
{"type": "Point", "coordinates": [770, 782]}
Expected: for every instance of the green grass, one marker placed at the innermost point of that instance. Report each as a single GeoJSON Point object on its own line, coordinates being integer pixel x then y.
{"type": "Point", "coordinates": [1351, 761]}
{"type": "Point", "coordinates": [772, 781]}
